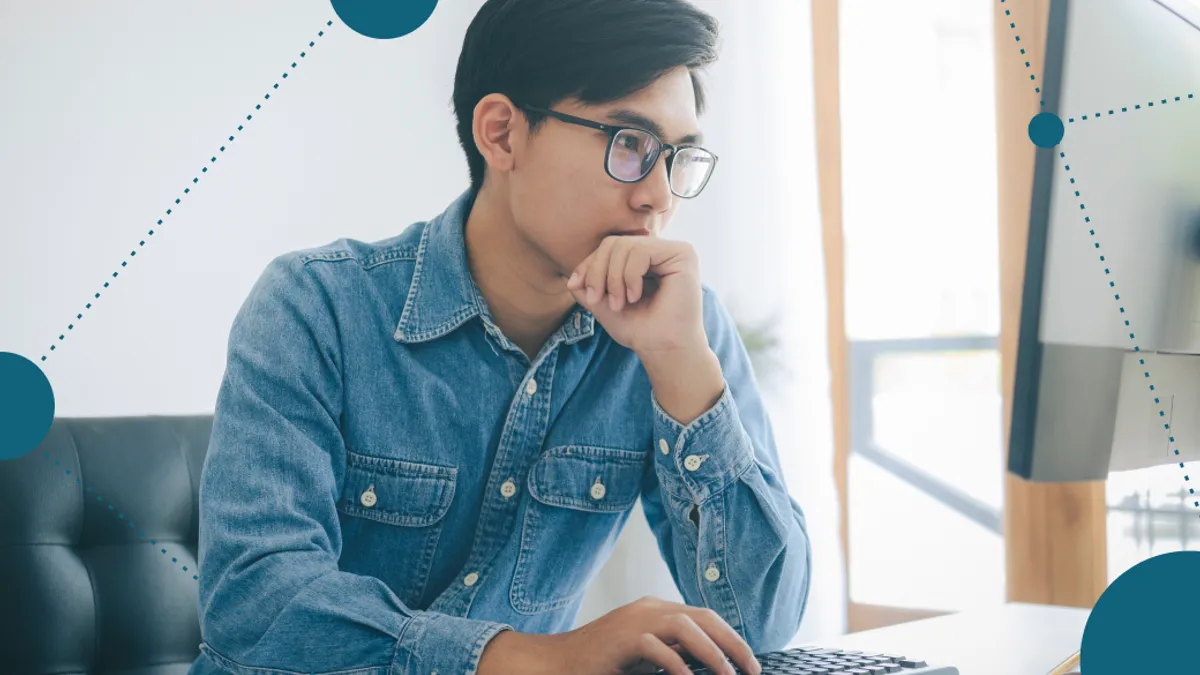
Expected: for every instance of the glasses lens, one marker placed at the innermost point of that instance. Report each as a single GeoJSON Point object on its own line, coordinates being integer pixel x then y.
{"type": "Point", "coordinates": [690, 170]}
{"type": "Point", "coordinates": [632, 154]}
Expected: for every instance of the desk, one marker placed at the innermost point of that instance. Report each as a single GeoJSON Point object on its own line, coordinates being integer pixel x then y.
{"type": "Point", "coordinates": [1011, 639]}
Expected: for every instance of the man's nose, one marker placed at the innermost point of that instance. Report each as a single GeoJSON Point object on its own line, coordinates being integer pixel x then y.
{"type": "Point", "coordinates": [654, 191]}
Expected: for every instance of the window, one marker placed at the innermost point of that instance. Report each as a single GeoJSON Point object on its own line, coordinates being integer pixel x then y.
{"type": "Point", "coordinates": [1149, 513]}
{"type": "Point", "coordinates": [926, 469]}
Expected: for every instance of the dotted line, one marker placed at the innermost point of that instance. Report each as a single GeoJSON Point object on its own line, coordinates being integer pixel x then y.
{"type": "Point", "coordinates": [1112, 285]}
{"type": "Point", "coordinates": [121, 516]}
{"type": "Point", "coordinates": [1071, 120]}
{"type": "Point", "coordinates": [186, 191]}
{"type": "Point", "coordinates": [1032, 78]}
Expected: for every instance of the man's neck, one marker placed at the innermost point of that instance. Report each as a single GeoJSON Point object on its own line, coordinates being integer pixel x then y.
{"type": "Point", "coordinates": [524, 292]}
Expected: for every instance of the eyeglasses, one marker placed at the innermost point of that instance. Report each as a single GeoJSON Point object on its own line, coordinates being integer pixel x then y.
{"type": "Point", "coordinates": [632, 154]}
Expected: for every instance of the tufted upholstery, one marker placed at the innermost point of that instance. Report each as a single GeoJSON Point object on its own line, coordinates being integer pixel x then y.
{"type": "Point", "coordinates": [82, 588]}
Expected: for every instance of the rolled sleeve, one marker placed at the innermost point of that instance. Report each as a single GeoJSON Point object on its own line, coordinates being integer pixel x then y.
{"type": "Point", "coordinates": [705, 456]}
{"type": "Point", "coordinates": [434, 643]}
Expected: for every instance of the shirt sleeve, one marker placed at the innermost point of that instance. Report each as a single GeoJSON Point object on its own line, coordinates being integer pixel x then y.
{"type": "Point", "coordinates": [733, 538]}
{"type": "Point", "coordinates": [271, 593]}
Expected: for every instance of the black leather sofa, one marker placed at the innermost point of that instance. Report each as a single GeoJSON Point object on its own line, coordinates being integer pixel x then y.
{"type": "Point", "coordinates": [85, 585]}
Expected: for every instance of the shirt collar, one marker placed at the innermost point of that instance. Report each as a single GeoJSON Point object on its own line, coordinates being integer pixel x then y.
{"type": "Point", "coordinates": [443, 296]}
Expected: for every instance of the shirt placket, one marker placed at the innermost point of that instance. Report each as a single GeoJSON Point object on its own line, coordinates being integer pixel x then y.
{"type": "Point", "coordinates": [522, 437]}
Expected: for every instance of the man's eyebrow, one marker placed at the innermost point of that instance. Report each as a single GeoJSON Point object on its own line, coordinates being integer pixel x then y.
{"type": "Point", "coordinates": [639, 120]}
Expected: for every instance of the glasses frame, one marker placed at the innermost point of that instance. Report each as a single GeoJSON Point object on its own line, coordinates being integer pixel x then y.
{"type": "Point", "coordinates": [613, 129]}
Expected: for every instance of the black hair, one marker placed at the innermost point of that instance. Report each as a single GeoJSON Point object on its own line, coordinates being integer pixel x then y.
{"type": "Point", "coordinates": [540, 52]}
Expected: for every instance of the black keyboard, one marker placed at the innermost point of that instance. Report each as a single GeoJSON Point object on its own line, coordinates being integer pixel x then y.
{"type": "Point", "coordinates": [822, 661]}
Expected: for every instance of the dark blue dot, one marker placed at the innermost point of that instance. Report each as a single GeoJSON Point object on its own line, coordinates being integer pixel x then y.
{"type": "Point", "coordinates": [1046, 130]}
{"type": "Point", "coordinates": [384, 20]}
{"type": "Point", "coordinates": [26, 405]}
{"type": "Point", "coordinates": [1151, 606]}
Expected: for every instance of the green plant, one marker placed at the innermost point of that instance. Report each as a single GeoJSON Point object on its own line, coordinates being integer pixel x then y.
{"type": "Point", "coordinates": [761, 344]}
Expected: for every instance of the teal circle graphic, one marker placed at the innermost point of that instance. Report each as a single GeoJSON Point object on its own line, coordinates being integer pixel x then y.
{"type": "Point", "coordinates": [1145, 622]}
{"type": "Point", "coordinates": [1046, 130]}
{"type": "Point", "coordinates": [26, 405]}
{"type": "Point", "coordinates": [384, 19]}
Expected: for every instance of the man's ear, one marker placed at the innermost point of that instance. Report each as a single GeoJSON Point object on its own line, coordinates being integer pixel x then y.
{"type": "Point", "coordinates": [499, 129]}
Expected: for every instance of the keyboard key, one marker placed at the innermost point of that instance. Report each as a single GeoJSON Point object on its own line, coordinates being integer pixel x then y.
{"type": "Point", "coordinates": [909, 663]}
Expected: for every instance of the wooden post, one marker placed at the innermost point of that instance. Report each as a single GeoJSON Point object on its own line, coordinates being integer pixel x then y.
{"type": "Point", "coordinates": [829, 170]}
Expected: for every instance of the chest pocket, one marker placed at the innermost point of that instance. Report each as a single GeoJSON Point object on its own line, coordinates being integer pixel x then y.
{"type": "Point", "coordinates": [395, 509]}
{"type": "Point", "coordinates": [581, 498]}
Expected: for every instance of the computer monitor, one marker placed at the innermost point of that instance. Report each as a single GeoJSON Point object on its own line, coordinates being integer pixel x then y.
{"type": "Point", "coordinates": [1109, 343]}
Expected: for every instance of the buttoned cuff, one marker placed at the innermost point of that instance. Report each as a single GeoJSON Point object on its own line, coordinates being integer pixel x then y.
{"type": "Point", "coordinates": [443, 644]}
{"type": "Point", "coordinates": [705, 456]}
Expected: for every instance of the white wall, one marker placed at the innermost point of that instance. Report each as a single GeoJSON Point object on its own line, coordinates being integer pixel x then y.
{"type": "Point", "coordinates": [109, 110]}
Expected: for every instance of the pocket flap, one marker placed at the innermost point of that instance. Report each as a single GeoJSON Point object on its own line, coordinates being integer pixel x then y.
{"type": "Point", "coordinates": [587, 478]}
{"type": "Point", "coordinates": [406, 493]}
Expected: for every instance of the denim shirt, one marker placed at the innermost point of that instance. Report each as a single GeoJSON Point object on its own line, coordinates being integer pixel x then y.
{"type": "Point", "coordinates": [391, 481]}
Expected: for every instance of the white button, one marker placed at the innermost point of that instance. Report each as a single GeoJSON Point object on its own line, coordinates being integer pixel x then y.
{"type": "Point", "coordinates": [598, 490]}
{"type": "Point", "coordinates": [508, 489]}
{"type": "Point", "coordinates": [693, 462]}
{"type": "Point", "coordinates": [471, 578]}
{"type": "Point", "coordinates": [662, 445]}
{"type": "Point", "coordinates": [531, 387]}
{"type": "Point", "coordinates": [712, 573]}
{"type": "Point", "coordinates": [576, 320]}
{"type": "Point", "coordinates": [368, 498]}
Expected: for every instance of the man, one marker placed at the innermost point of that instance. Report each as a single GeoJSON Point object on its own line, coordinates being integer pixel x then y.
{"type": "Point", "coordinates": [425, 447]}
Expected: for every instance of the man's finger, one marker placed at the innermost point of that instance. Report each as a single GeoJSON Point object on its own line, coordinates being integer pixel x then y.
{"type": "Point", "coordinates": [636, 268]}
{"type": "Point", "coordinates": [726, 637]}
{"type": "Point", "coordinates": [683, 629]}
{"type": "Point", "coordinates": [616, 275]}
{"type": "Point", "coordinates": [597, 270]}
{"type": "Point", "coordinates": [652, 649]}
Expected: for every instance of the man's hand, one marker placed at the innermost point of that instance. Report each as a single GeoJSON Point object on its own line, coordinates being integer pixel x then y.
{"type": "Point", "coordinates": [641, 637]}
{"type": "Point", "coordinates": [645, 292]}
